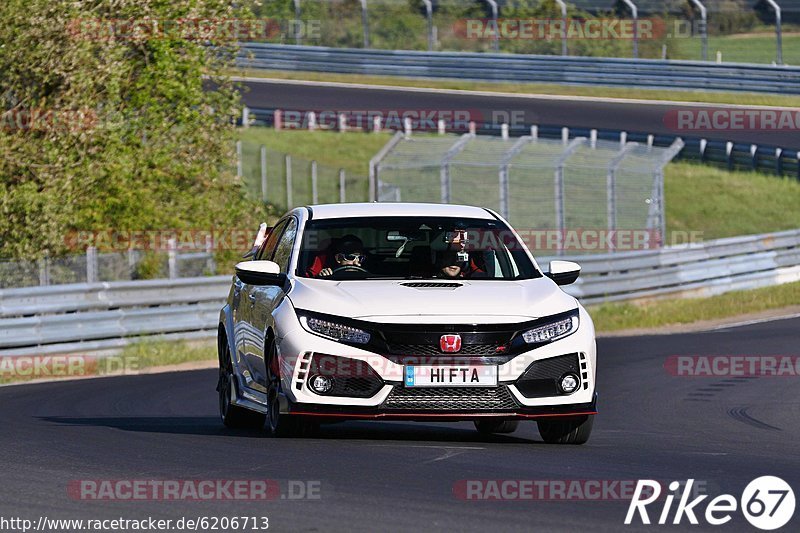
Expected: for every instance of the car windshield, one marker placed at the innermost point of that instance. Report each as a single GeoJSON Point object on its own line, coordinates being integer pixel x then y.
{"type": "Point", "coordinates": [412, 248]}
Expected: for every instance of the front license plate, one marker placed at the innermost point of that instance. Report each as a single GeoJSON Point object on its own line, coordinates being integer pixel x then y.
{"type": "Point", "coordinates": [451, 376]}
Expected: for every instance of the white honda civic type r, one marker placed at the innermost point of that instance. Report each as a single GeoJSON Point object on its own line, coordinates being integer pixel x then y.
{"type": "Point", "coordinates": [403, 311]}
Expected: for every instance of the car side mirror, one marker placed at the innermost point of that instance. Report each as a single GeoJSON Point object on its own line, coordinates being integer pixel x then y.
{"type": "Point", "coordinates": [262, 273]}
{"type": "Point", "coordinates": [563, 272]}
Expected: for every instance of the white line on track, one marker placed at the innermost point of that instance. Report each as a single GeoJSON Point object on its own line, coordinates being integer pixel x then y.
{"type": "Point", "coordinates": [754, 321]}
{"type": "Point", "coordinates": [565, 98]}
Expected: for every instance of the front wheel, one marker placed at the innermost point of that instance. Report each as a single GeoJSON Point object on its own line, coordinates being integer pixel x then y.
{"type": "Point", "coordinates": [569, 431]}
{"type": "Point", "coordinates": [233, 416]}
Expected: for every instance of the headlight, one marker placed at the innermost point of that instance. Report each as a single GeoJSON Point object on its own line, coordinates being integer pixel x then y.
{"type": "Point", "coordinates": [334, 331]}
{"type": "Point", "coordinates": [552, 331]}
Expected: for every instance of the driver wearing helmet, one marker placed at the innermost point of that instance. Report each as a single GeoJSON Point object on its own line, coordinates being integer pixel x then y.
{"type": "Point", "coordinates": [349, 252]}
{"type": "Point", "coordinates": [450, 265]}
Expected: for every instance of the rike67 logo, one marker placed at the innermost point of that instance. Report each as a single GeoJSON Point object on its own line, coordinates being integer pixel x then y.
{"type": "Point", "coordinates": [767, 503]}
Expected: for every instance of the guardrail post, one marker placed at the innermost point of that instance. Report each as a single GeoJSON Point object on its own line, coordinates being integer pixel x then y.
{"type": "Point", "coordinates": [288, 163]}
{"type": "Point", "coordinates": [263, 173]}
{"type": "Point", "coordinates": [635, 13]}
{"type": "Point", "coordinates": [172, 258]}
{"type": "Point", "coordinates": [778, 161]}
{"type": "Point", "coordinates": [245, 117]}
{"type": "Point", "coordinates": [376, 124]}
{"type": "Point", "coordinates": [535, 133]}
{"type": "Point", "coordinates": [703, 29]}
{"type": "Point", "coordinates": [211, 265]}
{"type": "Point", "coordinates": [91, 264]}
{"type": "Point", "coordinates": [342, 123]}
{"type": "Point", "coordinates": [565, 135]}
{"type": "Point", "coordinates": [440, 126]}
{"type": "Point", "coordinates": [778, 37]}
{"type": "Point", "coordinates": [504, 131]}
{"type": "Point", "coordinates": [277, 119]}
{"type": "Point", "coordinates": [703, 146]}
{"type": "Point", "coordinates": [297, 38]}
{"type": "Point", "coordinates": [314, 194]}
{"type": "Point", "coordinates": [312, 121]}
{"type": "Point", "coordinates": [563, 7]}
{"type": "Point", "coordinates": [754, 156]}
{"type": "Point", "coordinates": [496, 42]}
{"type": "Point", "coordinates": [365, 22]}
{"type": "Point", "coordinates": [132, 261]}
{"type": "Point", "coordinates": [342, 197]}
{"type": "Point", "coordinates": [44, 271]}
{"type": "Point", "coordinates": [239, 170]}
{"type": "Point", "coordinates": [429, 16]}
{"type": "Point", "coordinates": [407, 127]}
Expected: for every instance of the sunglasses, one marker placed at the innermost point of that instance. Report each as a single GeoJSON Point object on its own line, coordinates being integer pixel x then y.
{"type": "Point", "coordinates": [351, 257]}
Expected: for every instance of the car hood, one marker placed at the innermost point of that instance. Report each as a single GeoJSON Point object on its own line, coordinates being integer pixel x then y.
{"type": "Point", "coordinates": [395, 301]}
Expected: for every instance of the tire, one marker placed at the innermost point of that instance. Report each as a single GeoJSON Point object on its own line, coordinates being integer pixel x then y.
{"type": "Point", "coordinates": [489, 427]}
{"type": "Point", "coordinates": [570, 431]}
{"type": "Point", "coordinates": [233, 416]}
{"type": "Point", "coordinates": [282, 425]}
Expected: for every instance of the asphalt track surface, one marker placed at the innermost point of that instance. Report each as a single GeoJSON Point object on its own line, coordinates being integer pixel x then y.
{"type": "Point", "coordinates": [399, 476]}
{"type": "Point", "coordinates": [628, 116]}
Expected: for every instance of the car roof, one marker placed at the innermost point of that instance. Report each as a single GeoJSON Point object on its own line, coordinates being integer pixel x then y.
{"type": "Point", "coordinates": [397, 209]}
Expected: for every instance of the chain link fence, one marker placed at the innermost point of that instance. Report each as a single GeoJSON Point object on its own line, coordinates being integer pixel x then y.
{"type": "Point", "coordinates": [287, 181]}
{"type": "Point", "coordinates": [94, 266]}
{"type": "Point", "coordinates": [573, 184]}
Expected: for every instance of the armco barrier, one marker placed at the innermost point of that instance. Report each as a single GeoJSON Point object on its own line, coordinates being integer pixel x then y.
{"type": "Point", "coordinates": [641, 73]}
{"type": "Point", "coordinates": [77, 317]}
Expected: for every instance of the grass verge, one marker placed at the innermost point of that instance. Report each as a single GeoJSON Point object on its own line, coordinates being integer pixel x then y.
{"type": "Point", "coordinates": [536, 88]}
{"type": "Point", "coordinates": [660, 313]}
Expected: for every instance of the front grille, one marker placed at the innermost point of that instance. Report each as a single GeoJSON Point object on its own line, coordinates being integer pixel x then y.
{"type": "Point", "coordinates": [541, 377]}
{"type": "Point", "coordinates": [450, 399]}
{"type": "Point", "coordinates": [431, 349]}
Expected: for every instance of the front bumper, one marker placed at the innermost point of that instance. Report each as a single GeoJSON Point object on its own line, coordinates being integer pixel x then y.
{"type": "Point", "coordinates": [297, 348]}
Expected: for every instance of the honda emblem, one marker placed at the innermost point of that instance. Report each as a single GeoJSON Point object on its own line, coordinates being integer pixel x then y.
{"type": "Point", "coordinates": [450, 343]}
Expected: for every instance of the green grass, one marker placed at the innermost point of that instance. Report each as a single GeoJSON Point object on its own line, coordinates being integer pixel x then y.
{"type": "Point", "coordinates": [538, 88]}
{"type": "Point", "coordinates": [724, 204]}
{"type": "Point", "coordinates": [742, 48]}
{"type": "Point", "coordinates": [351, 151]}
{"type": "Point", "coordinates": [621, 316]}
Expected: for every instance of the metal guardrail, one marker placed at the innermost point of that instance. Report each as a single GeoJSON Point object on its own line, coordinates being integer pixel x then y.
{"type": "Point", "coordinates": [76, 317]}
{"type": "Point", "coordinates": [641, 73]}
